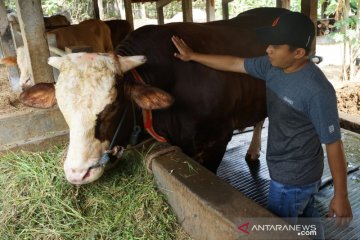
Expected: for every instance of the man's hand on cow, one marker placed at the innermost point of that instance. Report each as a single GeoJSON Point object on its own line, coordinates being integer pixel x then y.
{"type": "Point", "coordinates": [185, 52]}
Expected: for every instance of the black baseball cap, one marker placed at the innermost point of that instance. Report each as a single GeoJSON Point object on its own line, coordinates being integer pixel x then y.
{"type": "Point", "coordinates": [292, 28]}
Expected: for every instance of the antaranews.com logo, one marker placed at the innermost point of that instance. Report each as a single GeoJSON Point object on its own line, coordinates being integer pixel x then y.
{"type": "Point", "coordinates": [303, 230]}
{"type": "Point", "coordinates": [275, 228]}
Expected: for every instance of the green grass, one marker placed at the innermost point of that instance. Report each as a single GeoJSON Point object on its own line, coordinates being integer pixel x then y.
{"type": "Point", "coordinates": [38, 203]}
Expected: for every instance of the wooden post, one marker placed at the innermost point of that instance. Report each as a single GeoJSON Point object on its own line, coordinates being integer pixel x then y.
{"type": "Point", "coordinates": [51, 39]}
{"type": "Point", "coordinates": [160, 10]}
{"type": "Point", "coordinates": [309, 8]}
{"type": "Point", "coordinates": [187, 10]}
{"type": "Point", "coordinates": [283, 4]}
{"type": "Point", "coordinates": [160, 15]}
{"type": "Point", "coordinates": [225, 8]}
{"type": "Point", "coordinates": [32, 29]}
{"type": "Point", "coordinates": [210, 10]}
{"type": "Point", "coordinates": [96, 9]}
{"type": "Point", "coordinates": [8, 48]}
{"type": "Point", "coordinates": [128, 12]}
{"type": "Point", "coordinates": [16, 36]}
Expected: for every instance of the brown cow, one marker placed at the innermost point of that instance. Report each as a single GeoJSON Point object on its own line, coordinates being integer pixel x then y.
{"type": "Point", "coordinates": [51, 22]}
{"type": "Point", "coordinates": [195, 107]}
{"type": "Point", "coordinates": [56, 21]}
{"type": "Point", "coordinates": [93, 33]}
{"type": "Point", "coordinates": [119, 30]}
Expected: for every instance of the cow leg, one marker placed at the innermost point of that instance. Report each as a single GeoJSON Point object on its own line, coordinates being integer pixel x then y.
{"type": "Point", "coordinates": [211, 157]}
{"type": "Point", "coordinates": [253, 152]}
{"type": "Point", "coordinates": [210, 152]}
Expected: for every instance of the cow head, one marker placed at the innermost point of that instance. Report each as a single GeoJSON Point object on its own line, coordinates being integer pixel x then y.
{"type": "Point", "coordinates": [87, 92]}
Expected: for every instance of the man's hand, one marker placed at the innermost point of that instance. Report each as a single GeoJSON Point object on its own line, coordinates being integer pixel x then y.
{"type": "Point", "coordinates": [340, 209]}
{"type": "Point", "coordinates": [185, 52]}
{"type": "Point", "coordinates": [218, 62]}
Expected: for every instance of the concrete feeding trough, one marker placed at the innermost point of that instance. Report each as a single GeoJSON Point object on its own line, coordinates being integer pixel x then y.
{"type": "Point", "coordinates": [206, 206]}
{"type": "Point", "coordinates": [32, 130]}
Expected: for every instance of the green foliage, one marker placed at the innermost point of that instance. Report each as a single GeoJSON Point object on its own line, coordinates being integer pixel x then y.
{"type": "Point", "coordinates": [331, 8]}
{"type": "Point", "coordinates": [50, 7]}
{"type": "Point", "coordinates": [350, 35]}
{"type": "Point", "coordinates": [9, 4]}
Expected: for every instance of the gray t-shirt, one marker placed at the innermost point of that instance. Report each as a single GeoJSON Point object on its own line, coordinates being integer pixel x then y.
{"type": "Point", "coordinates": [302, 112]}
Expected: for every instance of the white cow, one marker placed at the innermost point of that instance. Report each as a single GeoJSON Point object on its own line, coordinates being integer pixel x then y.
{"type": "Point", "coordinates": [86, 85]}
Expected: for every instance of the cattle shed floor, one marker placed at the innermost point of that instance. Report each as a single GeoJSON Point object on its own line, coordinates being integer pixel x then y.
{"type": "Point", "coordinates": [253, 180]}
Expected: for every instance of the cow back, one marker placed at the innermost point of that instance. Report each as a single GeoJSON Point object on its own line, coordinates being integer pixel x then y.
{"type": "Point", "coordinates": [94, 33]}
{"type": "Point", "coordinates": [201, 93]}
{"type": "Point", "coordinates": [119, 30]}
{"type": "Point", "coordinates": [56, 21]}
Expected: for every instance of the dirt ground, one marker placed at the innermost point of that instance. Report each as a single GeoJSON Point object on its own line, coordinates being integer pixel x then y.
{"type": "Point", "coordinates": [348, 93]}
{"type": "Point", "coordinates": [9, 102]}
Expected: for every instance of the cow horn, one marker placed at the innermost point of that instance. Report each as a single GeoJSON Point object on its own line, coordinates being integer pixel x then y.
{"type": "Point", "coordinates": [128, 63]}
{"type": "Point", "coordinates": [55, 62]}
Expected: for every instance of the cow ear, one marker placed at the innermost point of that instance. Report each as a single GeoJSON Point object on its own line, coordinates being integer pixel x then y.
{"type": "Point", "coordinates": [9, 61]}
{"type": "Point", "coordinates": [41, 95]}
{"type": "Point", "coordinates": [55, 62]}
{"type": "Point", "coordinates": [150, 98]}
{"type": "Point", "coordinates": [128, 63]}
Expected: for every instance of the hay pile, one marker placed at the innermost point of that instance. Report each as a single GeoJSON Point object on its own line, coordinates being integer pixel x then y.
{"type": "Point", "coordinates": [9, 102]}
{"type": "Point", "coordinates": [36, 202]}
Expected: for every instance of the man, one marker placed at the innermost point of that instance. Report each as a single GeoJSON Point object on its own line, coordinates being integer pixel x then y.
{"type": "Point", "coordinates": [302, 114]}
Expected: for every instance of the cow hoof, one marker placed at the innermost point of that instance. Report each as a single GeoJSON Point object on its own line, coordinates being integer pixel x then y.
{"type": "Point", "coordinates": [250, 158]}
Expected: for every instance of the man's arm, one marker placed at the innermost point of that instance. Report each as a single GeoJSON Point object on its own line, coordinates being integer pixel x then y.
{"type": "Point", "coordinates": [339, 205]}
{"type": "Point", "coordinates": [219, 62]}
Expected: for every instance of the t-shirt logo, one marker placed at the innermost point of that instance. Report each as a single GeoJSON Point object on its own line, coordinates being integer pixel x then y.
{"type": "Point", "coordinates": [288, 100]}
{"type": "Point", "coordinates": [275, 22]}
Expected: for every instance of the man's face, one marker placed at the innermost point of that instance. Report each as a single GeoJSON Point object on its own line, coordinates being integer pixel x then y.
{"type": "Point", "coordinates": [280, 56]}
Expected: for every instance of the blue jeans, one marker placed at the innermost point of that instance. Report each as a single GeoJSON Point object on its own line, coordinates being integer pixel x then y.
{"type": "Point", "coordinates": [292, 202]}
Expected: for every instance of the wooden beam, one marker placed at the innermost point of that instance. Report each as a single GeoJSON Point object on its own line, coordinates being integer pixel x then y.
{"type": "Point", "coordinates": [96, 9]}
{"type": "Point", "coordinates": [225, 8]}
{"type": "Point", "coordinates": [4, 24]}
{"type": "Point", "coordinates": [160, 15]}
{"type": "Point", "coordinates": [32, 29]}
{"type": "Point", "coordinates": [162, 3]}
{"type": "Point", "coordinates": [160, 10]}
{"type": "Point", "coordinates": [309, 8]}
{"type": "Point", "coordinates": [128, 12]}
{"type": "Point", "coordinates": [8, 48]}
{"type": "Point", "coordinates": [210, 10]}
{"type": "Point", "coordinates": [283, 4]}
{"type": "Point", "coordinates": [16, 35]}
{"type": "Point", "coordinates": [187, 10]}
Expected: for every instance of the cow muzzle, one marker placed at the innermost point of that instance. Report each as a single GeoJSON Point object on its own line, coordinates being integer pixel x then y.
{"type": "Point", "coordinates": [83, 176]}
{"type": "Point", "coordinates": [89, 174]}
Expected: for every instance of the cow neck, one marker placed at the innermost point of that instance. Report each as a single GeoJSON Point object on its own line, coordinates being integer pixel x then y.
{"type": "Point", "coordinates": [147, 114]}
{"type": "Point", "coordinates": [113, 150]}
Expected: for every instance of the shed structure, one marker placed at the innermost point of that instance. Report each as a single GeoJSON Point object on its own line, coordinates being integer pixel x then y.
{"type": "Point", "coordinates": [36, 47]}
